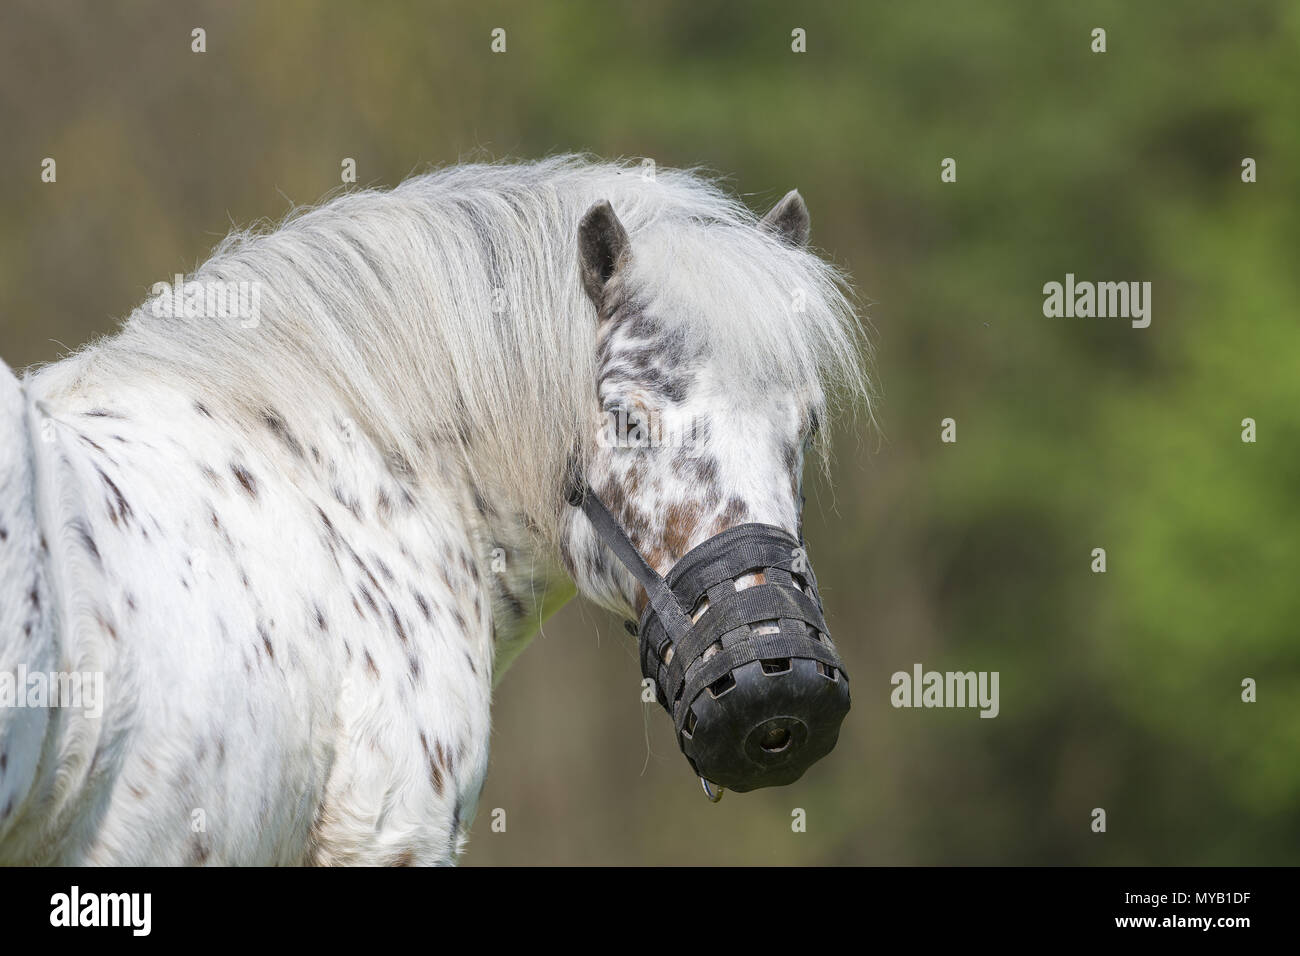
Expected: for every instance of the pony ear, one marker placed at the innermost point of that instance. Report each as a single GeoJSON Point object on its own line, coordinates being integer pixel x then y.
{"type": "Point", "coordinates": [603, 249]}
{"type": "Point", "coordinates": [788, 220]}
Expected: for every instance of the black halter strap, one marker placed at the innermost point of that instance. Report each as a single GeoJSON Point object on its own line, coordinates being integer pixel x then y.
{"type": "Point", "coordinates": [615, 538]}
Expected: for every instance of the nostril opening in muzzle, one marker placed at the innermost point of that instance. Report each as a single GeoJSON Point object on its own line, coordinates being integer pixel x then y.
{"type": "Point", "coordinates": [775, 740]}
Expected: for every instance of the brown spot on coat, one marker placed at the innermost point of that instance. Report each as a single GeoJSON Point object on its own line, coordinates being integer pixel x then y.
{"type": "Point", "coordinates": [734, 514]}
{"type": "Point", "coordinates": [106, 624]}
{"type": "Point", "coordinates": [118, 509]}
{"type": "Point", "coordinates": [435, 771]}
{"type": "Point", "coordinates": [397, 623]}
{"type": "Point", "coordinates": [87, 541]}
{"type": "Point", "coordinates": [423, 605]}
{"type": "Point", "coordinates": [245, 479]}
{"type": "Point", "coordinates": [275, 422]}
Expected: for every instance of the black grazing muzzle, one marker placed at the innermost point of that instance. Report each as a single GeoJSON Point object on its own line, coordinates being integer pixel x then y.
{"type": "Point", "coordinates": [753, 685]}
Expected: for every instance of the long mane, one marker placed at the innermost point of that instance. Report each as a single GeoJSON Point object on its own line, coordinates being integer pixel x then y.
{"type": "Point", "coordinates": [447, 313]}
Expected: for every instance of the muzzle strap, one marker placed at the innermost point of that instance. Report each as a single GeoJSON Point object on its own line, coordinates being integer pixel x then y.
{"type": "Point", "coordinates": [748, 606]}
{"type": "Point", "coordinates": [778, 616]}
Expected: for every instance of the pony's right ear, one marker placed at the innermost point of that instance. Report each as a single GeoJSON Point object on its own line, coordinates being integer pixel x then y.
{"type": "Point", "coordinates": [603, 249]}
{"type": "Point", "coordinates": [788, 220]}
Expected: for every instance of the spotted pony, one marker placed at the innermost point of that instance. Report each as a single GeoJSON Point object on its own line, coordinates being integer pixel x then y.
{"type": "Point", "coordinates": [284, 557]}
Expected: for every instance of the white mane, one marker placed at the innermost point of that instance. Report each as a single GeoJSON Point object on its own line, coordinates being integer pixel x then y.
{"type": "Point", "coordinates": [384, 301]}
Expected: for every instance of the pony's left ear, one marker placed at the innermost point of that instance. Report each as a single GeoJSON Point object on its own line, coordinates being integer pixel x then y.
{"type": "Point", "coordinates": [603, 249]}
{"type": "Point", "coordinates": [788, 220]}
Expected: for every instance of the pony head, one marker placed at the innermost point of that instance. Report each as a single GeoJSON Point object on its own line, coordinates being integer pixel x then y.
{"type": "Point", "coordinates": [717, 343]}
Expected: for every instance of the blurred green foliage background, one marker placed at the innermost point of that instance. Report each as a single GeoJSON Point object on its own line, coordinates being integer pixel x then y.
{"type": "Point", "coordinates": [1118, 690]}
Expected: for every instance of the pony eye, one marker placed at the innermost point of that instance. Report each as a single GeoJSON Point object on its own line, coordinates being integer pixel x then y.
{"type": "Point", "coordinates": [637, 427]}
{"type": "Point", "coordinates": [630, 424]}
